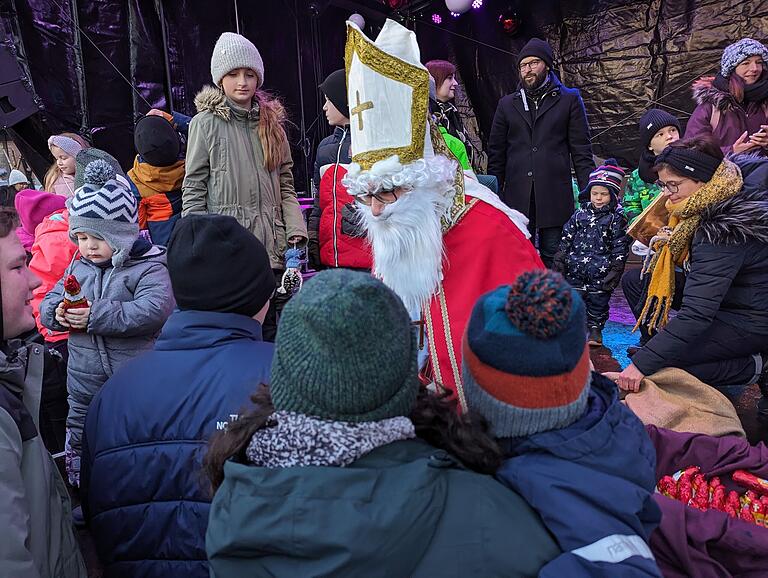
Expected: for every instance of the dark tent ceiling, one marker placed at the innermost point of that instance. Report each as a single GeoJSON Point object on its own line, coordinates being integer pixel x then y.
{"type": "Point", "coordinates": [96, 65]}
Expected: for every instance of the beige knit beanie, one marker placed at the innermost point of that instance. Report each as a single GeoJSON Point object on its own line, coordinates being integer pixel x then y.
{"type": "Point", "coordinates": [235, 51]}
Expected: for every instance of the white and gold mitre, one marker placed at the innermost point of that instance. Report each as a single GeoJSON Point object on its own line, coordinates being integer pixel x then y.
{"type": "Point", "coordinates": [388, 90]}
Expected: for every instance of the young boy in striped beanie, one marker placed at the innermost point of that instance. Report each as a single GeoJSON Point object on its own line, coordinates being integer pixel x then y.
{"type": "Point", "coordinates": [595, 244]}
{"type": "Point", "coordinates": [124, 281]}
{"type": "Point", "coordinates": [575, 453]}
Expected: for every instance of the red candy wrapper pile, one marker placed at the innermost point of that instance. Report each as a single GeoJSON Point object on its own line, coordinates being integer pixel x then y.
{"type": "Point", "coordinates": [690, 487]}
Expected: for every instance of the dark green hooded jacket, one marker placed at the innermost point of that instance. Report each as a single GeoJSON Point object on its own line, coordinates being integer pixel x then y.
{"type": "Point", "coordinates": [405, 509]}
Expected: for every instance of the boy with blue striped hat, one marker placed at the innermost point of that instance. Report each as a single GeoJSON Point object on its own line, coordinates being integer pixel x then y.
{"type": "Point", "coordinates": [595, 244]}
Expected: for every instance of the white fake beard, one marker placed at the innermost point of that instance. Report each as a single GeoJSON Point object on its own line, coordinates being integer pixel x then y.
{"type": "Point", "coordinates": [407, 243]}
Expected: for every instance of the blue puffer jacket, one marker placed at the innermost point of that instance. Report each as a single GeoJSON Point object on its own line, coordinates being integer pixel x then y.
{"type": "Point", "coordinates": [146, 434]}
{"type": "Point", "coordinates": [592, 484]}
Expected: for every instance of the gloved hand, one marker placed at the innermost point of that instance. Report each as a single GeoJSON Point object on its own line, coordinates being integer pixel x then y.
{"type": "Point", "coordinates": [558, 262]}
{"type": "Point", "coordinates": [612, 279]}
{"type": "Point", "coordinates": [313, 252]}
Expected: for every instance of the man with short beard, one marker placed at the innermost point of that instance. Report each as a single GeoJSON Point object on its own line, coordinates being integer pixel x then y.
{"type": "Point", "coordinates": [439, 240]}
{"type": "Point", "coordinates": [537, 133]}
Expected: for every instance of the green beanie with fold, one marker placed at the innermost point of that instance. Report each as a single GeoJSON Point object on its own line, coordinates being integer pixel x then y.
{"type": "Point", "coordinates": [345, 351]}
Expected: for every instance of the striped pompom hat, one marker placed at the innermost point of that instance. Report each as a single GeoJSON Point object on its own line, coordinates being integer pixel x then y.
{"type": "Point", "coordinates": [525, 356]}
{"type": "Point", "coordinates": [610, 175]}
{"type": "Point", "coordinates": [105, 208]}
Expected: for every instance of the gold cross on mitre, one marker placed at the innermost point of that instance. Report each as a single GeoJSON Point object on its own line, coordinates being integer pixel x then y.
{"type": "Point", "coordinates": [360, 108]}
{"type": "Point", "coordinates": [386, 79]}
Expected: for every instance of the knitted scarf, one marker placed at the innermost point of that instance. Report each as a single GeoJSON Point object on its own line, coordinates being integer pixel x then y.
{"type": "Point", "coordinates": [297, 440]}
{"type": "Point", "coordinates": [674, 250]}
{"type": "Point", "coordinates": [152, 180]}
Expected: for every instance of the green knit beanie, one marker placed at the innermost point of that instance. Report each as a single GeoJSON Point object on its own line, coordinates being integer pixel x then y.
{"type": "Point", "coordinates": [345, 351]}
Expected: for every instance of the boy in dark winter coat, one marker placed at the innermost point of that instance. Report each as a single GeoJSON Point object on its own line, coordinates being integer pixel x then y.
{"type": "Point", "coordinates": [158, 172]}
{"type": "Point", "coordinates": [595, 245]}
{"type": "Point", "coordinates": [335, 236]}
{"type": "Point", "coordinates": [658, 129]}
{"type": "Point", "coordinates": [577, 455]}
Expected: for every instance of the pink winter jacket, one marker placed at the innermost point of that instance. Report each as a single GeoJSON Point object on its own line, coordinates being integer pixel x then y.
{"type": "Point", "coordinates": [52, 252]}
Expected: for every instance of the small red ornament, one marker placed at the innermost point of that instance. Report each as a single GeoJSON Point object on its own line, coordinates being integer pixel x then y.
{"type": "Point", "coordinates": [73, 298]}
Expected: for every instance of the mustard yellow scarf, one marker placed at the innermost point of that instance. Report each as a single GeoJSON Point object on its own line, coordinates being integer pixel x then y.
{"type": "Point", "coordinates": [152, 180]}
{"type": "Point", "coordinates": [674, 250]}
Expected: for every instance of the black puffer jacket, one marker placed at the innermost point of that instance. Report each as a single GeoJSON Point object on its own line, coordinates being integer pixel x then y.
{"type": "Point", "coordinates": [728, 277]}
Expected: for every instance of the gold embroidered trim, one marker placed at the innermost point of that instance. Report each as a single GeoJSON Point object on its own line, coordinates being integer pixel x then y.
{"type": "Point", "coordinates": [437, 376]}
{"type": "Point", "coordinates": [398, 71]}
{"type": "Point", "coordinates": [451, 351]}
{"type": "Point", "coordinates": [464, 210]}
{"type": "Point", "coordinates": [459, 198]}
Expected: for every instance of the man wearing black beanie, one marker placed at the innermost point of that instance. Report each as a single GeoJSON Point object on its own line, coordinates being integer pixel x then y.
{"type": "Point", "coordinates": [148, 428]}
{"type": "Point", "coordinates": [538, 133]}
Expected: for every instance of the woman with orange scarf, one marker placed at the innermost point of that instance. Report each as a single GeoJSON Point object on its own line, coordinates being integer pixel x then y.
{"type": "Point", "coordinates": [718, 236]}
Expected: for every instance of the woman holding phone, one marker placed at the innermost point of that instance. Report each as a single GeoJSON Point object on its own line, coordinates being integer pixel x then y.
{"type": "Point", "coordinates": [733, 107]}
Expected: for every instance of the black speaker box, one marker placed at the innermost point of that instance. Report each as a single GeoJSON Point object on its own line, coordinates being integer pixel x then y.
{"type": "Point", "coordinates": [17, 99]}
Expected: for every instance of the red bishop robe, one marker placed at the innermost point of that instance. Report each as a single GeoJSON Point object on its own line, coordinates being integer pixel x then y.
{"type": "Point", "coordinates": [483, 250]}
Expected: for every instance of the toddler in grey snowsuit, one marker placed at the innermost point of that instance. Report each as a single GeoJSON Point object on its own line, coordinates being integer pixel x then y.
{"type": "Point", "coordinates": [125, 281]}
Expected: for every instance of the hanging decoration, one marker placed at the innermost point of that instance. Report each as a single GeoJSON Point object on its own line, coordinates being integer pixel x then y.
{"type": "Point", "coordinates": [358, 20]}
{"type": "Point", "coordinates": [458, 6]}
{"type": "Point", "coordinates": [510, 22]}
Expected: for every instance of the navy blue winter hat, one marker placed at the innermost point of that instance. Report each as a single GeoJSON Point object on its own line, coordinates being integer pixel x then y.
{"type": "Point", "coordinates": [696, 165]}
{"type": "Point", "coordinates": [538, 48]}
{"type": "Point", "coordinates": [609, 175]}
{"type": "Point", "coordinates": [525, 356]}
{"type": "Point", "coordinates": [215, 264]}
{"type": "Point", "coordinates": [652, 122]}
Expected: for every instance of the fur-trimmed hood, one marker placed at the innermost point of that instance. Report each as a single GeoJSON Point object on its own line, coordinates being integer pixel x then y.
{"type": "Point", "coordinates": [211, 99]}
{"type": "Point", "coordinates": [743, 217]}
{"type": "Point", "coordinates": [706, 93]}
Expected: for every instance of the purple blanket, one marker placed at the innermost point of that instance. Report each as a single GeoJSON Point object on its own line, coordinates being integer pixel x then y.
{"type": "Point", "coordinates": [689, 542]}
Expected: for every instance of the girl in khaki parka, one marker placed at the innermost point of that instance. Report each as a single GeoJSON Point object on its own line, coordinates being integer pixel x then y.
{"type": "Point", "coordinates": [238, 158]}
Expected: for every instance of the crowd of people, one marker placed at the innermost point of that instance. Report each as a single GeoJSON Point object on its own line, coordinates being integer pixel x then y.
{"type": "Point", "coordinates": [425, 404]}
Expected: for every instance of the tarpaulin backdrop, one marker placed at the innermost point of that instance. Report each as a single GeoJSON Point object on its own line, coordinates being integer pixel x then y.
{"type": "Point", "coordinates": [623, 55]}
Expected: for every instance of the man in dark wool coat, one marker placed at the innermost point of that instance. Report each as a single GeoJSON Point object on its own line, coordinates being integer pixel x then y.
{"type": "Point", "coordinates": [537, 132]}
